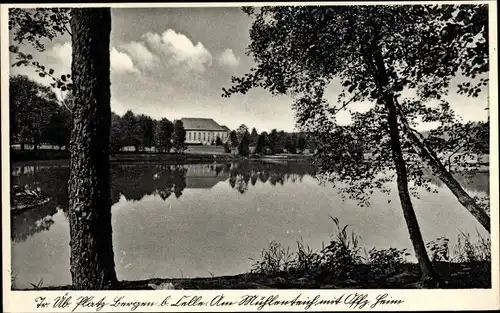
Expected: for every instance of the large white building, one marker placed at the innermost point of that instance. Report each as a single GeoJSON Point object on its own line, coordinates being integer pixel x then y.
{"type": "Point", "coordinates": [204, 131]}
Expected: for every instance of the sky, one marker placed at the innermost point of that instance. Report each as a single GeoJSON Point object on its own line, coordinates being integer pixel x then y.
{"type": "Point", "coordinates": [174, 62]}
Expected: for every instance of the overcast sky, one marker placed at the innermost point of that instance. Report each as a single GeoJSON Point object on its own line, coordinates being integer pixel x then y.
{"type": "Point", "coordinates": [173, 63]}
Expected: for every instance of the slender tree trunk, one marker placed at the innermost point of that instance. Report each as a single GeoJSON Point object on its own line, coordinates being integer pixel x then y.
{"type": "Point", "coordinates": [426, 268]}
{"type": "Point", "coordinates": [404, 196]}
{"type": "Point", "coordinates": [432, 160]}
{"type": "Point", "coordinates": [92, 258]}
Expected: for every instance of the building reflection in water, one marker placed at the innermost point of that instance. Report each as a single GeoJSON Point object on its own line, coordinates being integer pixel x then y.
{"type": "Point", "coordinates": [135, 181]}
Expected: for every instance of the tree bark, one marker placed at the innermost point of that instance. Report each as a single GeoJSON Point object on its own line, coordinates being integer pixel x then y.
{"type": "Point", "coordinates": [432, 160]}
{"type": "Point", "coordinates": [92, 258]}
{"type": "Point", "coordinates": [426, 268]}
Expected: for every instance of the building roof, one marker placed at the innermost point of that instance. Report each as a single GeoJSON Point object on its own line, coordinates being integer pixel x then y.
{"type": "Point", "coordinates": [225, 127]}
{"type": "Point", "coordinates": [192, 123]}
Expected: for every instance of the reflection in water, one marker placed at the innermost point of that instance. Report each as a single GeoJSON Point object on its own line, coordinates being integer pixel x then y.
{"type": "Point", "coordinates": [135, 181]}
{"type": "Point", "coordinates": [29, 222]}
{"type": "Point", "coordinates": [245, 172]}
{"type": "Point", "coordinates": [211, 216]}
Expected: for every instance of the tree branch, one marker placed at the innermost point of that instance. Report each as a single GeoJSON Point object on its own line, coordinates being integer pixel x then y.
{"type": "Point", "coordinates": [345, 104]}
{"type": "Point", "coordinates": [67, 29]}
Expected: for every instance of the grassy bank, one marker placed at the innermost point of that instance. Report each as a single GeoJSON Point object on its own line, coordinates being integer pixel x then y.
{"type": "Point", "coordinates": [61, 156]}
{"type": "Point", "coordinates": [192, 155]}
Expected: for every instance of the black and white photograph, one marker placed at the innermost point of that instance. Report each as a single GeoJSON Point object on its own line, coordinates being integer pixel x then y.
{"type": "Point", "coordinates": [340, 146]}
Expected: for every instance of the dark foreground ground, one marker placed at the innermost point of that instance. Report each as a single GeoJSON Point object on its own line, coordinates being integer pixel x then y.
{"type": "Point", "coordinates": [453, 276]}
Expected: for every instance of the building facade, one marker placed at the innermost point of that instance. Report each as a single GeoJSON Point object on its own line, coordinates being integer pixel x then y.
{"type": "Point", "coordinates": [204, 131]}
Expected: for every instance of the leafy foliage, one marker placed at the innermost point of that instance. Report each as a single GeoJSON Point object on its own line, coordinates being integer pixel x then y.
{"type": "Point", "coordinates": [343, 259]}
{"type": "Point", "coordinates": [243, 147]}
{"type": "Point", "coordinates": [34, 26]}
{"type": "Point", "coordinates": [233, 138]}
{"type": "Point", "coordinates": [147, 130]}
{"type": "Point", "coordinates": [117, 139]}
{"type": "Point", "coordinates": [301, 50]}
{"type": "Point", "coordinates": [227, 147]}
{"type": "Point", "coordinates": [386, 261]}
{"type": "Point", "coordinates": [254, 136]}
{"type": "Point", "coordinates": [164, 131]}
{"type": "Point", "coordinates": [35, 115]}
{"type": "Point", "coordinates": [179, 136]}
{"type": "Point", "coordinates": [262, 143]}
{"type": "Point", "coordinates": [132, 128]}
{"type": "Point", "coordinates": [218, 141]}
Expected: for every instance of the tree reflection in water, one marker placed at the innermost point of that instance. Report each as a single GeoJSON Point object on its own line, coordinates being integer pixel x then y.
{"type": "Point", "coordinates": [31, 222]}
{"type": "Point", "coordinates": [133, 181]}
{"type": "Point", "coordinates": [245, 172]}
{"type": "Point", "coordinates": [136, 180]}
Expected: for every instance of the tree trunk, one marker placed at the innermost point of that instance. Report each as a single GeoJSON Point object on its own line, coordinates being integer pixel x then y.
{"type": "Point", "coordinates": [92, 258]}
{"type": "Point", "coordinates": [432, 160]}
{"type": "Point", "coordinates": [404, 196]}
{"type": "Point", "coordinates": [426, 268]}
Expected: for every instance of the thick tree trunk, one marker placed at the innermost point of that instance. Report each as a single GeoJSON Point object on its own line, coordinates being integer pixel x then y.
{"type": "Point", "coordinates": [432, 160]}
{"type": "Point", "coordinates": [92, 258]}
{"type": "Point", "coordinates": [426, 268]}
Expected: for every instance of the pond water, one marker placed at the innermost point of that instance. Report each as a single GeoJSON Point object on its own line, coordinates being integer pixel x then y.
{"type": "Point", "coordinates": [203, 219]}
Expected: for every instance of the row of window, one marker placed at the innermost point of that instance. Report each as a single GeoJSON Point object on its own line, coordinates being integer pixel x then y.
{"type": "Point", "coordinates": [205, 136]}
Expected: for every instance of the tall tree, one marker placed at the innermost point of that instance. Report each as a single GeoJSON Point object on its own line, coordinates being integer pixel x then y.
{"type": "Point", "coordinates": [91, 250]}
{"type": "Point", "coordinates": [301, 142]}
{"type": "Point", "coordinates": [133, 131]}
{"type": "Point", "coordinates": [147, 130]}
{"type": "Point", "coordinates": [92, 258]}
{"type": "Point", "coordinates": [118, 134]}
{"type": "Point", "coordinates": [282, 138]}
{"type": "Point", "coordinates": [164, 131]}
{"type": "Point", "coordinates": [242, 129]}
{"type": "Point", "coordinates": [32, 106]}
{"type": "Point", "coordinates": [233, 138]}
{"type": "Point", "coordinates": [243, 147]}
{"type": "Point", "coordinates": [291, 143]}
{"type": "Point", "coordinates": [179, 136]}
{"type": "Point", "coordinates": [376, 52]}
{"type": "Point", "coordinates": [273, 141]}
{"type": "Point", "coordinates": [422, 47]}
{"type": "Point", "coordinates": [59, 128]}
{"type": "Point", "coordinates": [262, 143]}
{"type": "Point", "coordinates": [254, 136]}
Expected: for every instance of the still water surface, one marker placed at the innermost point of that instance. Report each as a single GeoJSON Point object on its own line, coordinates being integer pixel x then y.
{"type": "Point", "coordinates": [203, 219]}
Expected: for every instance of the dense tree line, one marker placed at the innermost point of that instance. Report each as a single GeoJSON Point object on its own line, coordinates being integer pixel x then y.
{"type": "Point", "coordinates": [268, 144]}
{"type": "Point", "coordinates": [141, 132]}
{"type": "Point", "coordinates": [38, 117]}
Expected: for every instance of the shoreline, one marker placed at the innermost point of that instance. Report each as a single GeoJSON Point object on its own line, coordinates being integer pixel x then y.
{"type": "Point", "coordinates": [171, 158]}
{"type": "Point", "coordinates": [453, 276]}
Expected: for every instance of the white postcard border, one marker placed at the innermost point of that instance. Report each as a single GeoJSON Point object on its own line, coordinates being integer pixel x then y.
{"type": "Point", "coordinates": [470, 299]}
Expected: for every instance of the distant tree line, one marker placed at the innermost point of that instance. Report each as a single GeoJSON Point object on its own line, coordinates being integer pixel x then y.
{"type": "Point", "coordinates": [38, 117]}
{"type": "Point", "coordinates": [141, 131]}
{"type": "Point", "coordinates": [269, 143]}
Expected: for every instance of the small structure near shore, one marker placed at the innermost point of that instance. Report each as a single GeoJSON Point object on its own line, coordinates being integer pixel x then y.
{"type": "Point", "coordinates": [25, 199]}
